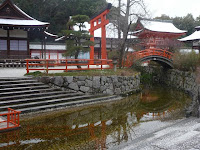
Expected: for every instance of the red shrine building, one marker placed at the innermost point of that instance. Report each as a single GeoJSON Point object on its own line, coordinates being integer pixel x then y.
{"type": "Point", "coordinates": [156, 33]}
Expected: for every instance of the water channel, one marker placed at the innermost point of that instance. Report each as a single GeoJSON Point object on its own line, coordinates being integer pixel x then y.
{"type": "Point", "coordinates": [98, 126]}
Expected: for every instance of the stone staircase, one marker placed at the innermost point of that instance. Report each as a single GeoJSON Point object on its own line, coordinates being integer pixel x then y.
{"type": "Point", "coordinates": [29, 95]}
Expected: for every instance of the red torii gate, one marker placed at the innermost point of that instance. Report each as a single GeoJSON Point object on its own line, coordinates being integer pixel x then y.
{"type": "Point", "coordinates": [99, 21]}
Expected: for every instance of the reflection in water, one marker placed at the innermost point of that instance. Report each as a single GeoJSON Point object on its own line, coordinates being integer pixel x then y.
{"type": "Point", "coordinates": [96, 127]}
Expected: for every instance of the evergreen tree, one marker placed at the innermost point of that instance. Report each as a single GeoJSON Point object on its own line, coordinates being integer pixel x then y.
{"type": "Point", "coordinates": [57, 12]}
{"type": "Point", "coordinates": [77, 41]}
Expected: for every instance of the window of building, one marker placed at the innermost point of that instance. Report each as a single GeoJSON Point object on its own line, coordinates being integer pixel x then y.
{"type": "Point", "coordinates": [20, 45]}
{"type": "Point", "coordinates": [3, 44]}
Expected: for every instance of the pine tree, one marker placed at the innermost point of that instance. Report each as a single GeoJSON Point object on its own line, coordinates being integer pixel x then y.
{"type": "Point", "coordinates": [77, 41]}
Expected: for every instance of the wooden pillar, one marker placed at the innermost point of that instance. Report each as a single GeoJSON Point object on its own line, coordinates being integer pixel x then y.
{"type": "Point", "coordinates": [103, 39]}
{"type": "Point", "coordinates": [8, 43]}
{"type": "Point", "coordinates": [92, 39]}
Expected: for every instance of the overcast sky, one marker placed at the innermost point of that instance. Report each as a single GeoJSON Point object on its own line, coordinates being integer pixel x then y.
{"type": "Point", "coordinates": [172, 8]}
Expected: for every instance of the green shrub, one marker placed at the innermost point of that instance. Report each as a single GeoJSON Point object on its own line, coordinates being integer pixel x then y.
{"type": "Point", "coordinates": [186, 61]}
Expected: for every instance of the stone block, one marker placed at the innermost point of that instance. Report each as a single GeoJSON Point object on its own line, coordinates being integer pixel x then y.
{"type": "Point", "coordinates": [89, 83]}
{"type": "Point", "coordinates": [117, 91]}
{"type": "Point", "coordinates": [82, 78]}
{"type": "Point", "coordinates": [84, 89]}
{"type": "Point", "coordinates": [74, 86]}
{"type": "Point", "coordinates": [103, 88]}
{"type": "Point", "coordinates": [59, 81]}
{"type": "Point", "coordinates": [96, 82]}
{"type": "Point", "coordinates": [110, 92]}
{"type": "Point", "coordinates": [81, 83]}
{"type": "Point", "coordinates": [69, 79]}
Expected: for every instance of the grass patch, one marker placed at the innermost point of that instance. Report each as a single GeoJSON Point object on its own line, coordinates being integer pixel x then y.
{"type": "Point", "coordinates": [107, 72]}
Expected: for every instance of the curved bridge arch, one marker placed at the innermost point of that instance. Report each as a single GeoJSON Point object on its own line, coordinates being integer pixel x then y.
{"type": "Point", "coordinates": [159, 59]}
{"type": "Point", "coordinates": [163, 57]}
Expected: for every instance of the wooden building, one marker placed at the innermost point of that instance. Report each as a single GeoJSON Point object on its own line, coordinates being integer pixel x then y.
{"type": "Point", "coordinates": [16, 28]}
{"type": "Point", "coordinates": [157, 33]}
{"type": "Point", "coordinates": [194, 38]}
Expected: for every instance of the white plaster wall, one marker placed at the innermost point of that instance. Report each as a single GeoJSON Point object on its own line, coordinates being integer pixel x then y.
{"type": "Point", "coordinates": [18, 33]}
{"type": "Point", "coordinates": [3, 33]}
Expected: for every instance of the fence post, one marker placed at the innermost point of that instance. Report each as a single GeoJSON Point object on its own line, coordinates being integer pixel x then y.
{"type": "Point", "coordinates": [66, 65]}
{"type": "Point", "coordinates": [18, 118]}
{"type": "Point", "coordinates": [88, 64]}
{"type": "Point", "coordinates": [15, 119]}
{"type": "Point", "coordinates": [47, 66]}
{"type": "Point", "coordinates": [101, 64]}
{"type": "Point", "coordinates": [27, 69]}
{"type": "Point", "coordinates": [8, 119]}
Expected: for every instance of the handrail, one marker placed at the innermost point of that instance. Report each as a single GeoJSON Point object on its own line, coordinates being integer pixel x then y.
{"type": "Point", "coordinates": [153, 52]}
{"type": "Point", "coordinates": [11, 119]}
{"type": "Point", "coordinates": [148, 52]}
{"type": "Point", "coordinates": [69, 64]}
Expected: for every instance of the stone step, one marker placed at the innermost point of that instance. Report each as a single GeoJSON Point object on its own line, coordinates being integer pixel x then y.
{"type": "Point", "coordinates": [17, 81]}
{"type": "Point", "coordinates": [33, 94]}
{"type": "Point", "coordinates": [25, 92]}
{"type": "Point", "coordinates": [24, 88]}
{"type": "Point", "coordinates": [29, 104]}
{"type": "Point", "coordinates": [64, 104]}
{"type": "Point", "coordinates": [40, 98]}
{"type": "Point", "coordinates": [20, 85]}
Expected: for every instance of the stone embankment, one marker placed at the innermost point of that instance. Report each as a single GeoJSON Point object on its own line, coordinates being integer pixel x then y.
{"type": "Point", "coordinates": [95, 84]}
{"type": "Point", "coordinates": [187, 82]}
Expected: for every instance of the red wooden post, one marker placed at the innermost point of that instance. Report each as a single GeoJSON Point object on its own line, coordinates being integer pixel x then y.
{"type": "Point", "coordinates": [15, 118]}
{"type": "Point", "coordinates": [66, 65]}
{"type": "Point", "coordinates": [101, 64]}
{"type": "Point", "coordinates": [92, 39]}
{"type": "Point", "coordinates": [103, 39]}
{"type": "Point", "coordinates": [8, 119]}
{"type": "Point", "coordinates": [47, 66]}
{"type": "Point", "coordinates": [88, 64]}
{"type": "Point", "coordinates": [27, 70]}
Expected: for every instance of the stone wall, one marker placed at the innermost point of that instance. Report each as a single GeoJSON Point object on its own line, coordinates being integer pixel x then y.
{"type": "Point", "coordinates": [185, 81]}
{"type": "Point", "coordinates": [96, 84]}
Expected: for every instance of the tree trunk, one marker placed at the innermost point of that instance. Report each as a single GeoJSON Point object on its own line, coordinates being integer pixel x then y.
{"type": "Point", "coordinates": [76, 57]}
{"type": "Point", "coordinates": [125, 33]}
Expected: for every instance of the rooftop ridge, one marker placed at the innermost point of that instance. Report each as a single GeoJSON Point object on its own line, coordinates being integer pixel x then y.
{"type": "Point", "coordinates": [157, 20]}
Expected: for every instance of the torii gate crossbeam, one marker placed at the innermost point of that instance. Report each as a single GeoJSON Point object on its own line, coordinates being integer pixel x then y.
{"type": "Point", "coordinates": [97, 22]}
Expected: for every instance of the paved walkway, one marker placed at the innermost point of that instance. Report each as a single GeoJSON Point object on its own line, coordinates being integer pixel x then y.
{"type": "Point", "coordinates": [182, 135]}
{"type": "Point", "coordinates": [12, 72]}
{"type": "Point", "coordinates": [19, 72]}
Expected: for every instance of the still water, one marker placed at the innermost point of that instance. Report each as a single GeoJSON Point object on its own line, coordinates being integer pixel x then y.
{"type": "Point", "coordinates": [100, 126]}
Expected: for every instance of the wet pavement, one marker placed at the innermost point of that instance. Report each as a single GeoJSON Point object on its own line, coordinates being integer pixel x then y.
{"type": "Point", "coordinates": [180, 135]}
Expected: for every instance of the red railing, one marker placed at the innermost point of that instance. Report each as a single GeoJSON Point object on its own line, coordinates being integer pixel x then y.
{"type": "Point", "coordinates": [67, 64]}
{"type": "Point", "coordinates": [9, 120]}
{"type": "Point", "coordinates": [153, 52]}
{"type": "Point", "coordinates": [148, 52]}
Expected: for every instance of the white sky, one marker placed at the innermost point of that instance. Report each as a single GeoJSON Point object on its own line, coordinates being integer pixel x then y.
{"type": "Point", "coordinates": [172, 8]}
